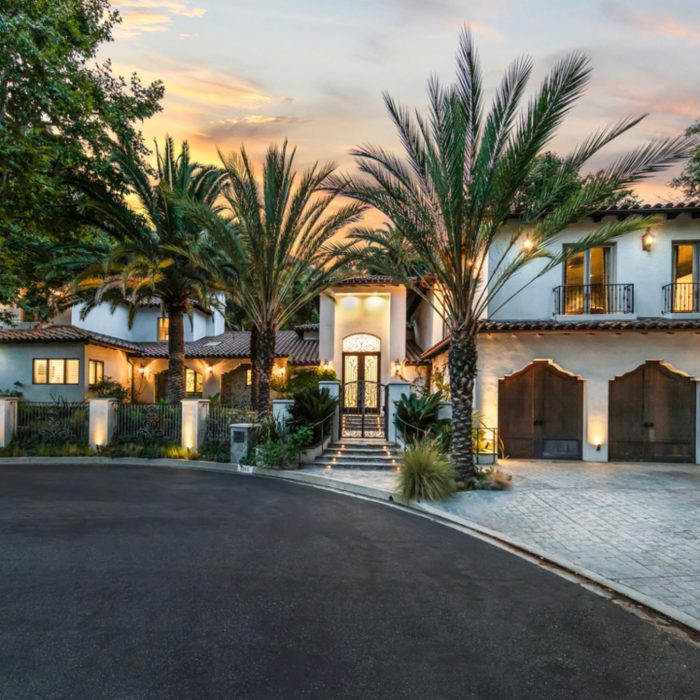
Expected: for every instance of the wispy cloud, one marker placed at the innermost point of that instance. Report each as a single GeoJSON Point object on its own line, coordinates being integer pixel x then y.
{"type": "Point", "coordinates": [653, 20]}
{"type": "Point", "coordinates": [139, 16]}
{"type": "Point", "coordinates": [250, 126]}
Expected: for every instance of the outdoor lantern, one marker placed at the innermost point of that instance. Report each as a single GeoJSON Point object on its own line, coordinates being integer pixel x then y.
{"type": "Point", "coordinates": [648, 239]}
{"type": "Point", "coordinates": [528, 244]}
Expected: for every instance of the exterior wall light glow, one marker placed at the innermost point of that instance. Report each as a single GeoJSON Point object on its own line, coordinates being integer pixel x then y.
{"type": "Point", "coordinates": [598, 444]}
{"type": "Point", "coordinates": [648, 240]}
{"type": "Point", "coordinates": [528, 244]}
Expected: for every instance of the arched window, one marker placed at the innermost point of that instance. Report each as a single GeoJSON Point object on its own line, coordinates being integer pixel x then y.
{"type": "Point", "coordinates": [361, 342]}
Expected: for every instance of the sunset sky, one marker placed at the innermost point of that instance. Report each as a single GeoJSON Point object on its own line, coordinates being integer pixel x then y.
{"type": "Point", "coordinates": [255, 72]}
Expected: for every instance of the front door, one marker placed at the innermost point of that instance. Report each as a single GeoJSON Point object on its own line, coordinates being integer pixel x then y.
{"type": "Point", "coordinates": [361, 381]}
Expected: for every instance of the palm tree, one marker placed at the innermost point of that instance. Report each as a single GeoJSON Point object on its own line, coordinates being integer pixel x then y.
{"type": "Point", "coordinates": [452, 193]}
{"type": "Point", "coordinates": [275, 249]}
{"type": "Point", "coordinates": [147, 263]}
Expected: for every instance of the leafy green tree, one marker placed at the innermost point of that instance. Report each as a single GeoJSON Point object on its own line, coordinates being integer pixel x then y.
{"type": "Point", "coordinates": [274, 242]}
{"type": "Point", "coordinates": [60, 110]}
{"type": "Point", "coordinates": [455, 190]}
{"type": "Point", "coordinates": [150, 260]}
{"type": "Point", "coordinates": [689, 180]}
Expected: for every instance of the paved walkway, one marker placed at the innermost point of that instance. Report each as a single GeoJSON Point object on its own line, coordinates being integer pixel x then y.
{"type": "Point", "coordinates": [636, 525]}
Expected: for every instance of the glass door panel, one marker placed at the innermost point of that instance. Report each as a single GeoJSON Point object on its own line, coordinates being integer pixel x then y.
{"type": "Point", "coordinates": [683, 277]}
{"type": "Point", "coordinates": [371, 386]}
{"type": "Point", "coordinates": [350, 377]}
{"type": "Point", "coordinates": [598, 279]}
{"type": "Point", "coordinates": [573, 284]}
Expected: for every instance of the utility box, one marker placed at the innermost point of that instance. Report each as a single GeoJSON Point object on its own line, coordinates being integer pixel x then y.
{"type": "Point", "coordinates": [242, 437]}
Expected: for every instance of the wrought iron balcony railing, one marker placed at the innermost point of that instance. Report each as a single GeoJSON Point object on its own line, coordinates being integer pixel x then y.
{"type": "Point", "coordinates": [580, 299]}
{"type": "Point", "coordinates": [681, 298]}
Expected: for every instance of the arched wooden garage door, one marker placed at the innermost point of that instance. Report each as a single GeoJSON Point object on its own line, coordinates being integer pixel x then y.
{"type": "Point", "coordinates": [540, 413]}
{"type": "Point", "coordinates": [652, 415]}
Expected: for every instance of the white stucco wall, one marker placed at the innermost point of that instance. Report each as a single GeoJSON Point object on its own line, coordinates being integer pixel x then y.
{"type": "Point", "coordinates": [648, 271]}
{"type": "Point", "coordinates": [594, 357]}
{"type": "Point", "coordinates": [377, 310]}
{"type": "Point", "coordinates": [116, 365]}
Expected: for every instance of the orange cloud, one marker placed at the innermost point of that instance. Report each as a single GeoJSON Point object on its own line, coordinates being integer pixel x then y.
{"type": "Point", "coordinates": [153, 15]}
{"type": "Point", "coordinates": [650, 21]}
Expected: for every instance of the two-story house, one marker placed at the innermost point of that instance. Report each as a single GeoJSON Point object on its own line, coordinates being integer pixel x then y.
{"type": "Point", "coordinates": [596, 359]}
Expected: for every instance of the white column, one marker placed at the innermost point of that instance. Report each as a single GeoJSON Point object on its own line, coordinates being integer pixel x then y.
{"type": "Point", "coordinates": [333, 388]}
{"type": "Point", "coordinates": [281, 409]}
{"type": "Point", "coordinates": [595, 420]}
{"type": "Point", "coordinates": [195, 416]}
{"type": "Point", "coordinates": [8, 420]}
{"type": "Point", "coordinates": [102, 414]}
{"type": "Point", "coordinates": [395, 389]}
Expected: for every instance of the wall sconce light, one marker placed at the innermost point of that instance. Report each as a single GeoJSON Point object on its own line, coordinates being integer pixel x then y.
{"type": "Point", "coordinates": [398, 366]}
{"type": "Point", "coordinates": [280, 371]}
{"type": "Point", "coordinates": [142, 371]}
{"type": "Point", "coordinates": [598, 444]}
{"type": "Point", "coordinates": [528, 244]}
{"type": "Point", "coordinates": [648, 240]}
{"type": "Point", "coordinates": [210, 369]}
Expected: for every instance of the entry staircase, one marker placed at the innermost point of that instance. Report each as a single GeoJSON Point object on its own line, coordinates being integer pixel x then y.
{"type": "Point", "coordinates": [360, 453]}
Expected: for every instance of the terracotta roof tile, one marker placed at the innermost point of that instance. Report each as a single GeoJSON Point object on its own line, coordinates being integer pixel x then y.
{"type": "Point", "coordinates": [65, 334]}
{"type": "Point", "coordinates": [655, 323]}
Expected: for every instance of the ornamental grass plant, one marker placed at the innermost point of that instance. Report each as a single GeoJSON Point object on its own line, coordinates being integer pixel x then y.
{"type": "Point", "coordinates": [426, 473]}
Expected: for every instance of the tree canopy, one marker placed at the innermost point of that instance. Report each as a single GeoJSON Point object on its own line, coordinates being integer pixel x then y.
{"type": "Point", "coordinates": [689, 180]}
{"type": "Point", "coordinates": [61, 110]}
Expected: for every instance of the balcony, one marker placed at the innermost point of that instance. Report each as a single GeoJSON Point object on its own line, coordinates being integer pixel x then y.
{"type": "Point", "coordinates": [683, 298]}
{"type": "Point", "coordinates": [585, 299]}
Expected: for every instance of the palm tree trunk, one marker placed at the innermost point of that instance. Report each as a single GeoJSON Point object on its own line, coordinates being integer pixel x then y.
{"type": "Point", "coordinates": [462, 359]}
{"type": "Point", "coordinates": [254, 371]}
{"type": "Point", "coordinates": [176, 354]}
{"type": "Point", "coordinates": [266, 359]}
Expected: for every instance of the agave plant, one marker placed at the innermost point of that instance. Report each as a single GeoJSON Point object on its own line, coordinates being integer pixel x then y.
{"type": "Point", "coordinates": [416, 415]}
{"type": "Point", "coordinates": [311, 407]}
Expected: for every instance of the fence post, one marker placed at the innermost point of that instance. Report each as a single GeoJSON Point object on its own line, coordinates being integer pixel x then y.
{"type": "Point", "coordinates": [281, 409]}
{"type": "Point", "coordinates": [395, 389]}
{"type": "Point", "coordinates": [195, 417]}
{"type": "Point", "coordinates": [333, 388]}
{"type": "Point", "coordinates": [102, 413]}
{"type": "Point", "coordinates": [8, 420]}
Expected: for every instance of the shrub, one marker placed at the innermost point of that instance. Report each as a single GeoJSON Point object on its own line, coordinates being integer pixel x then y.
{"type": "Point", "coordinates": [490, 479]}
{"type": "Point", "coordinates": [311, 406]}
{"type": "Point", "coordinates": [108, 388]}
{"type": "Point", "coordinates": [308, 378]}
{"type": "Point", "coordinates": [426, 473]}
{"type": "Point", "coordinates": [415, 415]}
{"type": "Point", "coordinates": [279, 446]}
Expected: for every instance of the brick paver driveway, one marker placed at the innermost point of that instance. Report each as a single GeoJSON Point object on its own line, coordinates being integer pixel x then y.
{"type": "Point", "coordinates": [635, 524]}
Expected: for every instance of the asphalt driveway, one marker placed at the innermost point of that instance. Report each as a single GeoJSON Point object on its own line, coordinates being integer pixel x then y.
{"type": "Point", "coordinates": [145, 583]}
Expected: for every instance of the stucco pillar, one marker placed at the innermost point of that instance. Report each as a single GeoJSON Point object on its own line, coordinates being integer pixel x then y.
{"type": "Point", "coordinates": [282, 409]}
{"type": "Point", "coordinates": [595, 420]}
{"type": "Point", "coordinates": [333, 388]}
{"type": "Point", "coordinates": [102, 421]}
{"type": "Point", "coordinates": [195, 417]}
{"type": "Point", "coordinates": [395, 389]}
{"type": "Point", "coordinates": [8, 420]}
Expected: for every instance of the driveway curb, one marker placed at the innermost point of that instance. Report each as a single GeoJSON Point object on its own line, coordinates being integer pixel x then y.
{"type": "Point", "coordinates": [382, 496]}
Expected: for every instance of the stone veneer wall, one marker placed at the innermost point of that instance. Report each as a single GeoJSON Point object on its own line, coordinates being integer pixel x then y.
{"type": "Point", "coordinates": [234, 391]}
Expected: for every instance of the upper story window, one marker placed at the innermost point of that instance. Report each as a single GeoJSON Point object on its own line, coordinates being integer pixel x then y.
{"type": "Point", "coordinates": [193, 382]}
{"type": "Point", "coordinates": [683, 294]}
{"type": "Point", "coordinates": [56, 371]}
{"type": "Point", "coordinates": [587, 284]}
{"type": "Point", "coordinates": [96, 372]}
{"type": "Point", "coordinates": [163, 328]}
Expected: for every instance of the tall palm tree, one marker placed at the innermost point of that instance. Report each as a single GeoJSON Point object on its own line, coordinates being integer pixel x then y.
{"type": "Point", "coordinates": [452, 193]}
{"type": "Point", "coordinates": [147, 263]}
{"type": "Point", "coordinates": [274, 242]}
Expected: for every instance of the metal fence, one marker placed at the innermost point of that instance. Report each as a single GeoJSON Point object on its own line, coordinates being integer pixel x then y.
{"type": "Point", "coordinates": [681, 298]}
{"type": "Point", "coordinates": [54, 422]}
{"type": "Point", "coordinates": [221, 417]}
{"type": "Point", "coordinates": [148, 423]}
{"type": "Point", "coordinates": [594, 299]}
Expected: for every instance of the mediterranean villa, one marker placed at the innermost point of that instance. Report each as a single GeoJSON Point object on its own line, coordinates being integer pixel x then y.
{"type": "Point", "coordinates": [598, 360]}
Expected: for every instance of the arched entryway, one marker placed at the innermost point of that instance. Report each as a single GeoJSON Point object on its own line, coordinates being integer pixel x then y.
{"type": "Point", "coordinates": [652, 415]}
{"type": "Point", "coordinates": [362, 388]}
{"type": "Point", "coordinates": [540, 412]}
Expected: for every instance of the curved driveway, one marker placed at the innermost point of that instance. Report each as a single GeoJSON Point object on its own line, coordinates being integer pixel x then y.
{"type": "Point", "coordinates": [131, 583]}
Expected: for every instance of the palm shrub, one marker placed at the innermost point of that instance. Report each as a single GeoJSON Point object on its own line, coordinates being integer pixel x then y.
{"type": "Point", "coordinates": [459, 183]}
{"type": "Point", "coordinates": [311, 407]}
{"type": "Point", "coordinates": [426, 473]}
{"type": "Point", "coordinates": [416, 415]}
{"type": "Point", "coordinates": [149, 261]}
{"type": "Point", "coordinates": [274, 250]}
